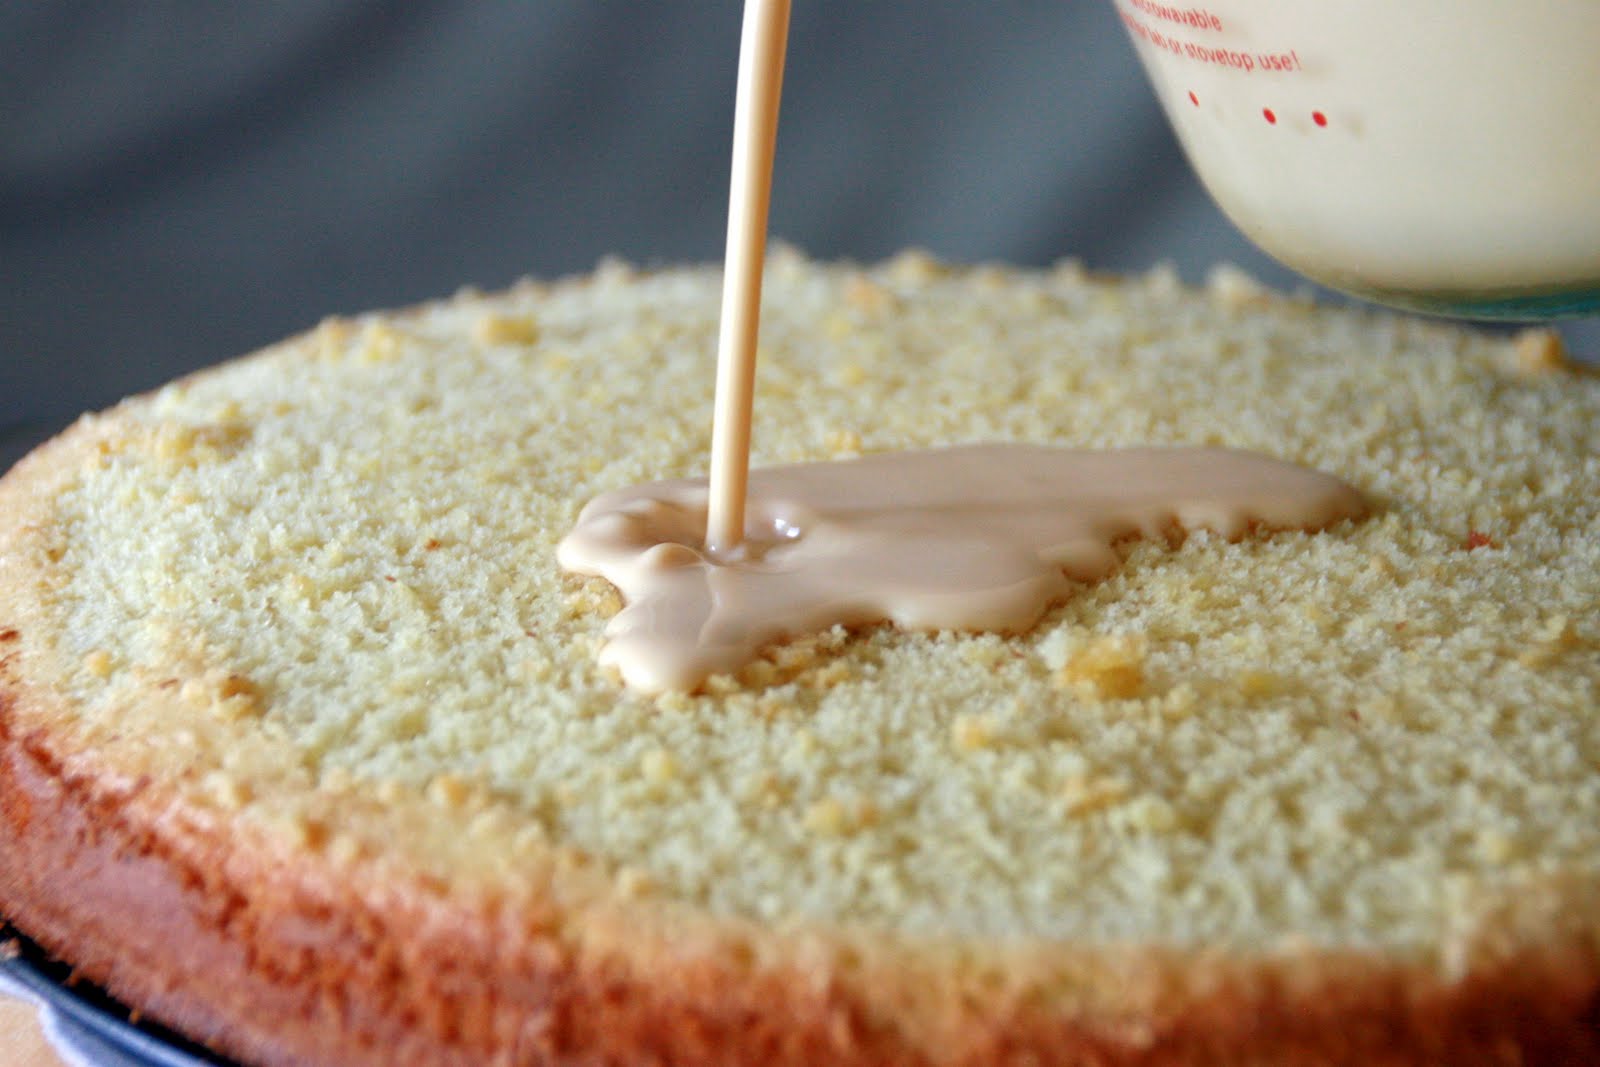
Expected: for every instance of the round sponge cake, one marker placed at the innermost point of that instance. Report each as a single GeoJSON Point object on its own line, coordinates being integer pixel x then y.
{"type": "Point", "coordinates": [304, 749]}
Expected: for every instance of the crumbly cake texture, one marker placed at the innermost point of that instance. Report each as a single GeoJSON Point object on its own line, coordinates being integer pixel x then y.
{"type": "Point", "coordinates": [303, 747]}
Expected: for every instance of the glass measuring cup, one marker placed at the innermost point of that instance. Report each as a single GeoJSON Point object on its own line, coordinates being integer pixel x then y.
{"type": "Point", "coordinates": [1440, 155]}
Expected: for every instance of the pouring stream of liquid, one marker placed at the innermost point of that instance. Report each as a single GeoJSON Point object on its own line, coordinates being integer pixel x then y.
{"type": "Point", "coordinates": [755, 135]}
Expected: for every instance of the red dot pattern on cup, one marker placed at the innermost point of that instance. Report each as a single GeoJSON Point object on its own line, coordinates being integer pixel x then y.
{"type": "Point", "coordinates": [1318, 117]}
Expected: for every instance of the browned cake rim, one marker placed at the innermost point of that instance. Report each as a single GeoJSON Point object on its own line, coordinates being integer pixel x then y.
{"type": "Point", "coordinates": [289, 964]}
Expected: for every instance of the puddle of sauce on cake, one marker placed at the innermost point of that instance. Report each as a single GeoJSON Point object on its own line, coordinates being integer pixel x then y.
{"type": "Point", "coordinates": [980, 537]}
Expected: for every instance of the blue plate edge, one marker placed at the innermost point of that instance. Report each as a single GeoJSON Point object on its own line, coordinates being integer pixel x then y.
{"type": "Point", "coordinates": [85, 1032]}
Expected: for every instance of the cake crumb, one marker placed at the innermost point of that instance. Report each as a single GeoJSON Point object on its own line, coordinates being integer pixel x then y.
{"type": "Point", "coordinates": [337, 780]}
{"type": "Point", "coordinates": [764, 789]}
{"type": "Point", "coordinates": [98, 663]}
{"type": "Point", "coordinates": [829, 675]}
{"type": "Point", "coordinates": [969, 733]}
{"type": "Point", "coordinates": [569, 859]}
{"type": "Point", "coordinates": [1235, 288]}
{"type": "Point", "coordinates": [1555, 637]}
{"type": "Point", "coordinates": [237, 698]}
{"type": "Point", "coordinates": [801, 747]}
{"type": "Point", "coordinates": [1084, 793]}
{"type": "Point", "coordinates": [229, 696]}
{"type": "Point", "coordinates": [983, 653]}
{"type": "Point", "coordinates": [1180, 702]}
{"type": "Point", "coordinates": [1259, 683]}
{"type": "Point", "coordinates": [1150, 814]}
{"type": "Point", "coordinates": [826, 818]}
{"type": "Point", "coordinates": [490, 823]}
{"type": "Point", "coordinates": [796, 655]}
{"type": "Point", "coordinates": [379, 343]}
{"type": "Point", "coordinates": [658, 766]}
{"type": "Point", "coordinates": [173, 441]}
{"type": "Point", "coordinates": [864, 294]}
{"type": "Point", "coordinates": [493, 329]}
{"type": "Point", "coordinates": [344, 849]}
{"type": "Point", "coordinates": [836, 817]}
{"type": "Point", "coordinates": [1108, 668]}
{"type": "Point", "coordinates": [632, 883]}
{"type": "Point", "coordinates": [449, 791]}
{"type": "Point", "coordinates": [849, 375]}
{"type": "Point", "coordinates": [332, 339]}
{"type": "Point", "coordinates": [227, 791]}
{"type": "Point", "coordinates": [1538, 352]}
{"type": "Point", "coordinates": [1496, 846]}
{"type": "Point", "coordinates": [303, 831]}
{"type": "Point", "coordinates": [915, 266]}
{"type": "Point", "coordinates": [843, 443]}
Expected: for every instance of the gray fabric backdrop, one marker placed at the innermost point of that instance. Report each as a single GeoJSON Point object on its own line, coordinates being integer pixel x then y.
{"type": "Point", "coordinates": [184, 181]}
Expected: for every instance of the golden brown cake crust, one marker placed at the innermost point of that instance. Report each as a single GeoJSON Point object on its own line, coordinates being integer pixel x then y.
{"type": "Point", "coordinates": [279, 951]}
{"type": "Point", "coordinates": [287, 969]}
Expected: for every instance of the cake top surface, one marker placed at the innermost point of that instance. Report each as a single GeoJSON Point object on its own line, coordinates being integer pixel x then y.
{"type": "Point", "coordinates": [332, 568]}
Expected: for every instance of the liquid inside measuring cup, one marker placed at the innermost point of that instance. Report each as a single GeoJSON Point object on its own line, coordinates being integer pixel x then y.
{"type": "Point", "coordinates": [1439, 155]}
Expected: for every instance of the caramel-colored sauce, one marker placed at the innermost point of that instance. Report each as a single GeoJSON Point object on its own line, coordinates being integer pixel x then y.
{"type": "Point", "coordinates": [979, 537]}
